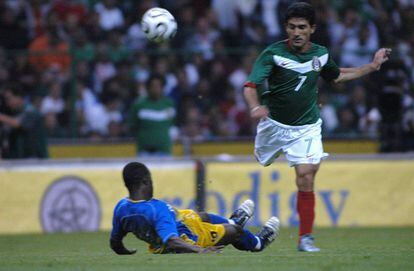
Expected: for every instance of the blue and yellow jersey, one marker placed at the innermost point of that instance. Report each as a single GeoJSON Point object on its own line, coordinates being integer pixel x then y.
{"type": "Point", "coordinates": [155, 222]}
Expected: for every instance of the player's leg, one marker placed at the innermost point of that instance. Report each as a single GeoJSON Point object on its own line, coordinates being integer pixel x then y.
{"type": "Point", "coordinates": [305, 178]}
{"type": "Point", "coordinates": [257, 242]}
{"type": "Point", "coordinates": [232, 234]}
{"type": "Point", "coordinates": [240, 216]}
{"type": "Point", "coordinates": [267, 144]}
{"type": "Point", "coordinates": [305, 154]}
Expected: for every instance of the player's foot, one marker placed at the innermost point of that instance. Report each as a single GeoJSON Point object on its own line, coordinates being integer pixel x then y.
{"type": "Point", "coordinates": [306, 244]}
{"type": "Point", "coordinates": [242, 214]}
{"type": "Point", "coordinates": [269, 232]}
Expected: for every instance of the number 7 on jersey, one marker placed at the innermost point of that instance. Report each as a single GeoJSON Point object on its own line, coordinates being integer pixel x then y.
{"type": "Point", "coordinates": [302, 80]}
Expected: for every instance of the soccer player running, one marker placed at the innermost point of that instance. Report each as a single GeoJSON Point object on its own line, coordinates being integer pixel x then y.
{"type": "Point", "coordinates": [168, 230]}
{"type": "Point", "coordinates": [287, 109]}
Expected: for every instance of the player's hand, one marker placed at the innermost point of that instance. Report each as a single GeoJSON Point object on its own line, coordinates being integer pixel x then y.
{"type": "Point", "coordinates": [214, 249]}
{"type": "Point", "coordinates": [126, 251]}
{"type": "Point", "coordinates": [381, 56]}
{"type": "Point", "coordinates": [259, 112]}
{"type": "Point", "coordinates": [131, 251]}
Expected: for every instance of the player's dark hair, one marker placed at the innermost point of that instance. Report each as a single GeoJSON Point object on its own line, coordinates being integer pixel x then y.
{"type": "Point", "coordinates": [301, 10]}
{"type": "Point", "coordinates": [155, 76]}
{"type": "Point", "coordinates": [135, 174]}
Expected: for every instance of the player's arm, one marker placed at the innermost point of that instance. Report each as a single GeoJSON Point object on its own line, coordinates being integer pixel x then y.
{"type": "Point", "coordinates": [347, 74]}
{"type": "Point", "coordinates": [117, 235]}
{"type": "Point", "coordinates": [261, 71]}
{"type": "Point", "coordinates": [13, 122]}
{"type": "Point", "coordinates": [257, 111]}
{"type": "Point", "coordinates": [118, 247]}
{"type": "Point", "coordinates": [180, 246]}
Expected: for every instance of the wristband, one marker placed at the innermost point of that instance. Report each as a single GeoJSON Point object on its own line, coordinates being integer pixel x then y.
{"type": "Point", "coordinates": [255, 108]}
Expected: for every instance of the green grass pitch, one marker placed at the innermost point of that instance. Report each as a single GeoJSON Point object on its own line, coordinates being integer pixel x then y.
{"type": "Point", "coordinates": [342, 249]}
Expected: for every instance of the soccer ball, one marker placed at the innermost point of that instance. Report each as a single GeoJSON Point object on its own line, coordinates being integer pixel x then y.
{"type": "Point", "coordinates": [158, 25]}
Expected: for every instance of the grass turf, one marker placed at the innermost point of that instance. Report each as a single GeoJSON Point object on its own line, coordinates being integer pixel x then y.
{"type": "Point", "coordinates": [342, 249]}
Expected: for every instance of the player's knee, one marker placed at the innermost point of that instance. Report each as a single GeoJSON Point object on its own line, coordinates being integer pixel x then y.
{"type": "Point", "coordinates": [305, 180]}
{"type": "Point", "coordinates": [234, 231]}
{"type": "Point", "coordinates": [204, 217]}
{"type": "Point", "coordinates": [305, 177]}
{"type": "Point", "coordinates": [308, 173]}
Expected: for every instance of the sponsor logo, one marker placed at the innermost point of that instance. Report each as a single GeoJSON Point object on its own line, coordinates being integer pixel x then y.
{"type": "Point", "coordinates": [70, 204]}
{"type": "Point", "coordinates": [316, 64]}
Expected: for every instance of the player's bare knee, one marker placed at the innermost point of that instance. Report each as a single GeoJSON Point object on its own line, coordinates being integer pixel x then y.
{"type": "Point", "coordinates": [305, 180]}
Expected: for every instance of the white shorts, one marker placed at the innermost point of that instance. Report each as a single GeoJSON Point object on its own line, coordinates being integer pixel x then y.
{"type": "Point", "coordinates": [300, 144]}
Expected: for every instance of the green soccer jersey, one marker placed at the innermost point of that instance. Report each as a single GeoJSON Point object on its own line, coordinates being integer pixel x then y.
{"type": "Point", "coordinates": [291, 95]}
{"type": "Point", "coordinates": [151, 121]}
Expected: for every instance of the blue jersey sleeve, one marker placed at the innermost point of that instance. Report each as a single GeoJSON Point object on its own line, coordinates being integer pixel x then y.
{"type": "Point", "coordinates": [165, 225]}
{"type": "Point", "coordinates": [117, 232]}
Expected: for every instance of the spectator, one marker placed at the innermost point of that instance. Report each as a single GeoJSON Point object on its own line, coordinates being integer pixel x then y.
{"type": "Point", "coordinates": [358, 50]}
{"type": "Point", "coordinates": [27, 137]}
{"type": "Point", "coordinates": [104, 69]}
{"type": "Point", "coordinates": [151, 119]}
{"type": "Point", "coordinates": [239, 76]}
{"type": "Point", "coordinates": [194, 125]}
{"type": "Point", "coordinates": [390, 104]}
{"type": "Point", "coordinates": [49, 51]}
{"type": "Point", "coordinates": [84, 50]}
{"type": "Point", "coordinates": [53, 102]}
{"type": "Point", "coordinates": [328, 114]}
{"type": "Point", "coordinates": [162, 68]}
{"type": "Point", "coordinates": [135, 38]}
{"type": "Point", "coordinates": [111, 56]}
{"type": "Point", "coordinates": [53, 129]}
{"type": "Point", "coordinates": [110, 16]}
{"type": "Point", "coordinates": [347, 123]}
{"type": "Point", "coordinates": [358, 105]}
{"type": "Point", "coordinates": [116, 49]}
{"type": "Point", "coordinates": [24, 74]}
{"type": "Point", "coordinates": [13, 35]}
{"type": "Point", "coordinates": [203, 39]}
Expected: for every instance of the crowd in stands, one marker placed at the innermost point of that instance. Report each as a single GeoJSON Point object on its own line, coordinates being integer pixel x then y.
{"type": "Point", "coordinates": [83, 64]}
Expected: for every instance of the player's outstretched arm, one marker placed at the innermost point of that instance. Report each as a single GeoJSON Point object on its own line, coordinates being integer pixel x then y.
{"type": "Point", "coordinates": [180, 246]}
{"type": "Point", "coordinates": [347, 74]}
{"type": "Point", "coordinates": [257, 111]}
{"type": "Point", "coordinates": [119, 248]}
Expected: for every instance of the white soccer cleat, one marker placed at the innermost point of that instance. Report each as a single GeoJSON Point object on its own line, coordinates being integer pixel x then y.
{"type": "Point", "coordinates": [306, 244]}
{"type": "Point", "coordinates": [269, 232]}
{"type": "Point", "coordinates": [242, 214]}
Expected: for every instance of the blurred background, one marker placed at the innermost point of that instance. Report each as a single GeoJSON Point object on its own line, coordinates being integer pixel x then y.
{"type": "Point", "coordinates": [82, 65]}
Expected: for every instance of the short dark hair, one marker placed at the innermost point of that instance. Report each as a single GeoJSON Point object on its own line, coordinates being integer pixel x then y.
{"type": "Point", "coordinates": [301, 10]}
{"type": "Point", "coordinates": [155, 76]}
{"type": "Point", "coordinates": [134, 174]}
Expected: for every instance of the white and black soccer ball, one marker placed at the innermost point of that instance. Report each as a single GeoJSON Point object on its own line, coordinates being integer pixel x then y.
{"type": "Point", "coordinates": [159, 25]}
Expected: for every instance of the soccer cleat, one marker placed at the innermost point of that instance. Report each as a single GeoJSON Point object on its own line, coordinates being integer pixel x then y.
{"type": "Point", "coordinates": [306, 244]}
{"type": "Point", "coordinates": [269, 232]}
{"type": "Point", "coordinates": [242, 214]}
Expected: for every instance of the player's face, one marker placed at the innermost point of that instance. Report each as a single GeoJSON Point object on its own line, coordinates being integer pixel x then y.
{"type": "Point", "coordinates": [155, 89]}
{"type": "Point", "coordinates": [299, 31]}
